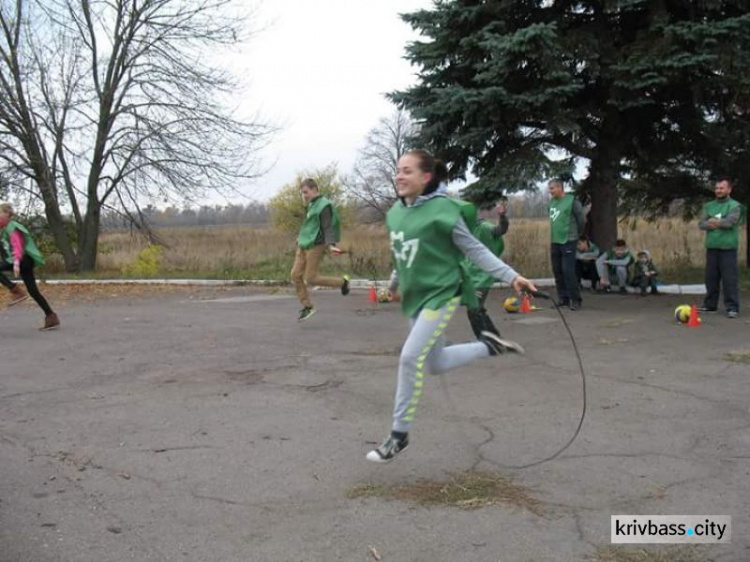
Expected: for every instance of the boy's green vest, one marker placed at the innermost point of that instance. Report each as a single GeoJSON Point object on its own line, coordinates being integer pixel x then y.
{"type": "Point", "coordinates": [722, 238]}
{"type": "Point", "coordinates": [480, 278]}
{"type": "Point", "coordinates": [310, 230]}
{"type": "Point", "coordinates": [611, 255]}
{"type": "Point", "coordinates": [559, 218]}
{"type": "Point", "coordinates": [29, 248]}
{"type": "Point", "coordinates": [427, 261]}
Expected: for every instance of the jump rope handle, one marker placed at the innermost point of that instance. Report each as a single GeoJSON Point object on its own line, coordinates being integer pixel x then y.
{"type": "Point", "coordinates": [539, 294]}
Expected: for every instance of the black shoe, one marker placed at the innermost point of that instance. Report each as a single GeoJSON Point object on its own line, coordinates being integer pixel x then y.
{"type": "Point", "coordinates": [732, 314]}
{"type": "Point", "coordinates": [565, 302]}
{"type": "Point", "coordinates": [499, 346]}
{"type": "Point", "coordinates": [706, 309]}
{"type": "Point", "coordinates": [656, 292]}
{"type": "Point", "coordinates": [644, 292]}
{"type": "Point", "coordinates": [345, 286]}
{"type": "Point", "coordinates": [305, 313]}
{"type": "Point", "coordinates": [388, 450]}
{"type": "Point", "coordinates": [575, 305]}
{"type": "Point", "coordinates": [623, 291]}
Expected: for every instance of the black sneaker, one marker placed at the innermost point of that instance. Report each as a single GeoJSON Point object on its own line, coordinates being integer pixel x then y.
{"type": "Point", "coordinates": [345, 286]}
{"type": "Point", "coordinates": [575, 305]}
{"type": "Point", "coordinates": [565, 302]}
{"type": "Point", "coordinates": [305, 313]}
{"type": "Point", "coordinates": [499, 346]}
{"type": "Point", "coordinates": [388, 450]}
{"type": "Point", "coordinates": [732, 314]}
{"type": "Point", "coordinates": [706, 309]}
{"type": "Point", "coordinates": [623, 291]}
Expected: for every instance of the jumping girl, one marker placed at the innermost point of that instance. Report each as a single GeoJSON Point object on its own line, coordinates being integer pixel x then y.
{"type": "Point", "coordinates": [429, 238]}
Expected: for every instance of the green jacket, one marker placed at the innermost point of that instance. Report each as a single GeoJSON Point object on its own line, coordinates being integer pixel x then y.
{"type": "Point", "coordinates": [311, 229]}
{"type": "Point", "coordinates": [30, 248]}
{"type": "Point", "coordinates": [426, 260]}
{"type": "Point", "coordinates": [480, 279]}
{"type": "Point", "coordinates": [729, 213]}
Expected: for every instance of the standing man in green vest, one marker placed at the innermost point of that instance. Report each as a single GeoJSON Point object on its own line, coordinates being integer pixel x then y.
{"type": "Point", "coordinates": [320, 231]}
{"type": "Point", "coordinates": [566, 225]}
{"type": "Point", "coordinates": [720, 219]}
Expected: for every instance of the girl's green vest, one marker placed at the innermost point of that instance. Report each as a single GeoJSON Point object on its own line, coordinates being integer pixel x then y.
{"type": "Point", "coordinates": [427, 261]}
{"type": "Point", "coordinates": [722, 238]}
{"type": "Point", "coordinates": [310, 230]}
{"type": "Point", "coordinates": [483, 232]}
{"type": "Point", "coordinates": [29, 248]}
{"type": "Point", "coordinates": [559, 218]}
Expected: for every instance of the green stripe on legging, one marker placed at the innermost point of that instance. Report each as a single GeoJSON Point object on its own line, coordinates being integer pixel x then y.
{"type": "Point", "coordinates": [450, 309]}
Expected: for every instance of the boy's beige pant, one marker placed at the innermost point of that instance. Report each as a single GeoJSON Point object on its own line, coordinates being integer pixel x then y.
{"type": "Point", "coordinates": [305, 272]}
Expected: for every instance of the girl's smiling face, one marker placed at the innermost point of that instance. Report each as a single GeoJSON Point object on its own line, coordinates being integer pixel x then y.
{"type": "Point", "coordinates": [410, 179]}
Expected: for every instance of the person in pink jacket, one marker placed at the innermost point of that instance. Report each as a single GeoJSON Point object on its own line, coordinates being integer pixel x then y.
{"type": "Point", "coordinates": [21, 255]}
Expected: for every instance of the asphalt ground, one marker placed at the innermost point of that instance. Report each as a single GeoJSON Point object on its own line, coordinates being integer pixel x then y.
{"type": "Point", "coordinates": [209, 425]}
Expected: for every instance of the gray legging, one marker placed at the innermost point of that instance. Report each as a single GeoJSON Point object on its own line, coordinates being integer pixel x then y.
{"type": "Point", "coordinates": [425, 351]}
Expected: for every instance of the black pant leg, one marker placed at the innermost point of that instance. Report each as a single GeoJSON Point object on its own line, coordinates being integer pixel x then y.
{"type": "Point", "coordinates": [713, 277]}
{"type": "Point", "coordinates": [27, 274]}
{"type": "Point", "coordinates": [556, 253]}
{"type": "Point", "coordinates": [479, 318]}
{"type": "Point", "coordinates": [730, 279]}
{"type": "Point", "coordinates": [4, 281]}
{"type": "Point", "coordinates": [568, 263]}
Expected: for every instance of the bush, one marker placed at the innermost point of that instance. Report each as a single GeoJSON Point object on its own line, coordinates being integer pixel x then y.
{"type": "Point", "coordinates": [147, 264]}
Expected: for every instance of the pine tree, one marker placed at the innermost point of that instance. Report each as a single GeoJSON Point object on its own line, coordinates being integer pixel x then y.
{"type": "Point", "coordinates": [519, 91]}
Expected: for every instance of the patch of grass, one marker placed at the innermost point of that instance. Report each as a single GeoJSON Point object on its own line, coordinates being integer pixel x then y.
{"type": "Point", "coordinates": [663, 554]}
{"type": "Point", "coordinates": [466, 490]}
{"type": "Point", "coordinates": [738, 357]}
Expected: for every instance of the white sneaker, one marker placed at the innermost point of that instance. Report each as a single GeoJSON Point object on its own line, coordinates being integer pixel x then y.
{"type": "Point", "coordinates": [388, 450]}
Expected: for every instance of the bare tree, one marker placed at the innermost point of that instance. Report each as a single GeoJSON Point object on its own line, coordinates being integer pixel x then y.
{"type": "Point", "coordinates": [113, 103]}
{"type": "Point", "coordinates": [372, 181]}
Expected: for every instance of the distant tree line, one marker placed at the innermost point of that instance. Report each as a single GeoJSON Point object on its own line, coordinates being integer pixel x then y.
{"type": "Point", "coordinates": [252, 214]}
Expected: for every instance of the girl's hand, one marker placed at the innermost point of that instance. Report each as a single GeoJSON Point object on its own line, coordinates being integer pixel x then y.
{"type": "Point", "coordinates": [520, 283]}
{"type": "Point", "coordinates": [336, 251]}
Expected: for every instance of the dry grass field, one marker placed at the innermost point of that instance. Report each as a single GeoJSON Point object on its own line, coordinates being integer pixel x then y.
{"type": "Point", "coordinates": [238, 252]}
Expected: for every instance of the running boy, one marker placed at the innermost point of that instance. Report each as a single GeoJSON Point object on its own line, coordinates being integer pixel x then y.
{"type": "Point", "coordinates": [320, 231]}
{"type": "Point", "coordinates": [428, 240]}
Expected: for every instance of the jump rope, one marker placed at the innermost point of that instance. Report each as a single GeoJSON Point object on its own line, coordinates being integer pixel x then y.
{"type": "Point", "coordinates": [546, 296]}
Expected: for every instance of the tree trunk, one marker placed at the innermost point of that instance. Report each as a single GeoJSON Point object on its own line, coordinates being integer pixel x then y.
{"type": "Point", "coordinates": [55, 221]}
{"type": "Point", "coordinates": [747, 233]}
{"type": "Point", "coordinates": [603, 215]}
{"type": "Point", "coordinates": [88, 244]}
{"type": "Point", "coordinates": [604, 171]}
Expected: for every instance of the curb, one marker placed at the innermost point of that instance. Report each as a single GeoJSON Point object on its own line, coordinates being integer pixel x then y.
{"type": "Point", "coordinates": [353, 283]}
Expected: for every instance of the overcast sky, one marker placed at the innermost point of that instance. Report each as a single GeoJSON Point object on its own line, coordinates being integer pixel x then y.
{"type": "Point", "coordinates": [319, 71]}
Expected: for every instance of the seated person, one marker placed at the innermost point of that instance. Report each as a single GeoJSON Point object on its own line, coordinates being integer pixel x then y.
{"type": "Point", "coordinates": [645, 273]}
{"type": "Point", "coordinates": [586, 254]}
{"type": "Point", "coordinates": [615, 263]}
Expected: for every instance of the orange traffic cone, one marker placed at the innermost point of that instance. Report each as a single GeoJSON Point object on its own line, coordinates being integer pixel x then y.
{"type": "Point", "coordinates": [525, 304]}
{"type": "Point", "coordinates": [373, 294]}
{"type": "Point", "coordinates": [694, 321]}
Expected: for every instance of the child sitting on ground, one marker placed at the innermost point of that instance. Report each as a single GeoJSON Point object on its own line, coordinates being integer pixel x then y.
{"type": "Point", "coordinates": [645, 274]}
{"type": "Point", "coordinates": [615, 262]}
